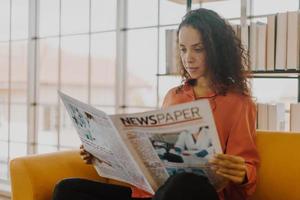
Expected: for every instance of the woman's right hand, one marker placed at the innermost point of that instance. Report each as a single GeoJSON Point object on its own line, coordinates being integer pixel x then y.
{"type": "Point", "coordinates": [85, 156]}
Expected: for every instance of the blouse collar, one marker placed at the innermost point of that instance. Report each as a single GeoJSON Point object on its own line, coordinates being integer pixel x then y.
{"type": "Point", "coordinates": [188, 90]}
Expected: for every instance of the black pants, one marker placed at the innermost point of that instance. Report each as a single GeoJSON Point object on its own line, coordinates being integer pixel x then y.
{"type": "Point", "coordinates": [184, 186]}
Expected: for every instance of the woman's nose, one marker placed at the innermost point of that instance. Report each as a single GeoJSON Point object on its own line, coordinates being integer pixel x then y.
{"type": "Point", "coordinates": [189, 57]}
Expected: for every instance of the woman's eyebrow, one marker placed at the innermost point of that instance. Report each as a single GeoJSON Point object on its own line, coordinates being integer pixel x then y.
{"type": "Point", "coordinates": [193, 45]}
{"type": "Point", "coordinates": [198, 44]}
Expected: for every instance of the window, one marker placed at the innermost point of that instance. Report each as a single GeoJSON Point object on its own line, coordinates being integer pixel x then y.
{"type": "Point", "coordinates": [78, 54]}
{"type": "Point", "coordinates": [103, 68]}
{"type": "Point", "coordinates": [141, 67]}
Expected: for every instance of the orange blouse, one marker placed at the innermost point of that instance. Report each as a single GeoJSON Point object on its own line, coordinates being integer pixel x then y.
{"type": "Point", "coordinates": [235, 118]}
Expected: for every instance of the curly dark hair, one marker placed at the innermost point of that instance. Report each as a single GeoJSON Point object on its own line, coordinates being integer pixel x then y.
{"type": "Point", "coordinates": [226, 59]}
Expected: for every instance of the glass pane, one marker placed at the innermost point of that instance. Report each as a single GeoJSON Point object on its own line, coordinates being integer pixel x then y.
{"type": "Point", "coordinates": [74, 66]}
{"type": "Point", "coordinates": [103, 66]}
{"type": "Point", "coordinates": [18, 110]}
{"type": "Point", "coordinates": [46, 149]}
{"type": "Point", "coordinates": [17, 149]}
{"type": "Point", "coordinates": [262, 7]}
{"type": "Point", "coordinates": [4, 170]}
{"type": "Point", "coordinates": [68, 148]}
{"type": "Point", "coordinates": [4, 20]}
{"type": "Point", "coordinates": [48, 70]}
{"type": "Point", "coordinates": [19, 71]}
{"type": "Point", "coordinates": [141, 69]}
{"type": "Point", "coordinates": [19, 21]}
{"type": "Point", "coordinates": [4, 151]}
{"type": "Point", "coordinates": [104, 14]}
{"type": "Point", "coordinates": [165, 84]}
{"type": "Point", "coordinates": [142, 13]}
{"type": "Point", "coordinates": [3, 116]}
{"type": "Point", "coordinates": [4, 56]}
{"type": "Point", "coordinates": [162, 47]}
{"type": "Point", "coordinates": [48, 85]}
{"type": "Point", "coordinates": [170, 12]}
{"type": "Point", "coordinates": [4, 91]}
{"type": "Point", "coordinates": [107, 110]}
{"type": "Point", "coordinates": [47, 123]}
{"type": "Point", "coordinates": [279, 90]}
{"type": "Point", "coordinates": [196, 5]}
{"type": "Point", "coordinates": [74, 16]}
{"type": "Point", "coordinates": [227, 9]}
{"type": "Point", "coordinates": [49, 18]}
{"type": "Point", "coordinates": [68, 135]}
{"type": "Point", "coordinates": [137, 110]}
{"type": "Point", "coordinates": [18, 122]}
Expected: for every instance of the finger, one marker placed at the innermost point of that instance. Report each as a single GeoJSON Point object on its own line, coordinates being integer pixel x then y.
{"type": "Point", "coordinates": [87, 156]}
{"type": "Point", "coordinates": [227, 164]}
{"type": "Point", "coordinates": [81, 146]}
{"type": "Point", "coordinates": [88, 161]}
{"type": "Point", "coordinates": [232, 158]}
{"type": "Point", "coordinates": [232, 172]}
{"type": "Point", "coordinates": [83, 152]}
{"type": "Point", "coordinates": [234, 179]}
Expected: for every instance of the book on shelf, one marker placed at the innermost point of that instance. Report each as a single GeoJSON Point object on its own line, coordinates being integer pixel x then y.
{"type": "Point", "coordinates": [194, 1]}
{"type": "Point", "coordinates": [262, 116]}
{"type": "Point", "coordinates": [171, 51]}
{"type": "Point", "coordinates": [295, 117]}
{"type": "Point", "coordinates": [271, 35]}
{"type": "Point", "coordinates": [270, 116]}
{"type": "Point", "coordinates": [276, 120]}
{"type": "Point", "coordinates": [281, 41]}
{"type": "Point", "coordinates": [253, 46]}
{"type": "Point", "coordinates": [293, 40]}
{"type": "Point", "coordinates": [237, 30]}
{"type": "Point", "coordinates": [261, 48]}
{"type": "Point", "coordinates": [272, 46]}
{"type": "Point", "coordinates": [144, 149]}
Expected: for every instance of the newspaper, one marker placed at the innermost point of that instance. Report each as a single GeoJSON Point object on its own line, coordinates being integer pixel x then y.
{"type": "Point", "coordinates": [144, 149]}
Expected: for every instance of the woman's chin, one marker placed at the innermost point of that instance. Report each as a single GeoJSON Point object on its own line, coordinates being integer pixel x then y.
{"type": "Point", "coordinates": [196, 76]}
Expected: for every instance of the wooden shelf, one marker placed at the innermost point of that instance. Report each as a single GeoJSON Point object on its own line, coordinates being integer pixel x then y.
{"type": "Point", "coordinates": [167, 74]}
{"type": "Point", "coordinates": [194, 1]}
{"type": "Point", "coordinates": [263, 74]}
{"type": "Point", "coordinates": [276, 74]}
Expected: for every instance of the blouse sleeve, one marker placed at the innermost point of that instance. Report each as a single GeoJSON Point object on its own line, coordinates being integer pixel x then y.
{"type": "Point", "coordinates": [168, 99]}
{"type": "Point", "coordinates": [241, 142]}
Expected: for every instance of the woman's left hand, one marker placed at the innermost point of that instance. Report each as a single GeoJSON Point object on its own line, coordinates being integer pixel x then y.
{"type": "Point", "coordinates": [230, 167]}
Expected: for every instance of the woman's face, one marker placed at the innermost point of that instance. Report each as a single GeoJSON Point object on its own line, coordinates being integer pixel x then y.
{"type": "Point", "coordinates": [192, 51]}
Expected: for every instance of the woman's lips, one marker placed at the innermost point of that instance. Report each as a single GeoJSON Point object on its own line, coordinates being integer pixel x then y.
{"type": "Point", "coordinates": [192, 69]}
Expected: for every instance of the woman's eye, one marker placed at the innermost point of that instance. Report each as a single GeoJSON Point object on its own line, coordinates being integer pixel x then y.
{"type": "Point", "coordinates": [199, 49]}
{"type": "Point", "coordinates": [183, 50]}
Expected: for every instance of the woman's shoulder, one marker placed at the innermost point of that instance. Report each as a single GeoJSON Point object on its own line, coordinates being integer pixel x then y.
{"type": "Point", "coordinates": [237, 99]}
{"type": "Point", "coordinates": [178, 94]}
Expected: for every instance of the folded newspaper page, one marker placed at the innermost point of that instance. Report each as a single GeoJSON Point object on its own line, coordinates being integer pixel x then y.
{"type": "Point", "coordinates": [144, 149]}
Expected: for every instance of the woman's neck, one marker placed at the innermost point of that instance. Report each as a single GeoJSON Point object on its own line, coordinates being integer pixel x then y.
{"type": "Point", "coordinates": [201, 88]}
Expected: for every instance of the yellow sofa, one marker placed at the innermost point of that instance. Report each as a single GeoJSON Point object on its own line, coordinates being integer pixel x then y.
{"type": "Point", "coordinates": [34, 177]}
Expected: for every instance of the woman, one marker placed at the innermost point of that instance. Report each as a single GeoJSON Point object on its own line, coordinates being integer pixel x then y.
{"type": "Point", "coordinates": [213, 65]}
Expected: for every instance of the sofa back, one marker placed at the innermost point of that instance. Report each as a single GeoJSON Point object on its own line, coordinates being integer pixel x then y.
{"type": "Point", "coordinates": [279, 172]}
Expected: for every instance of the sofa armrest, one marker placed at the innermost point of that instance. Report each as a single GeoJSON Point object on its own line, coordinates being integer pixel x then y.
{"type": "Point", "coordinates": [278, 175]}
{"type": "Point", "coordinates": [34, 177]}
